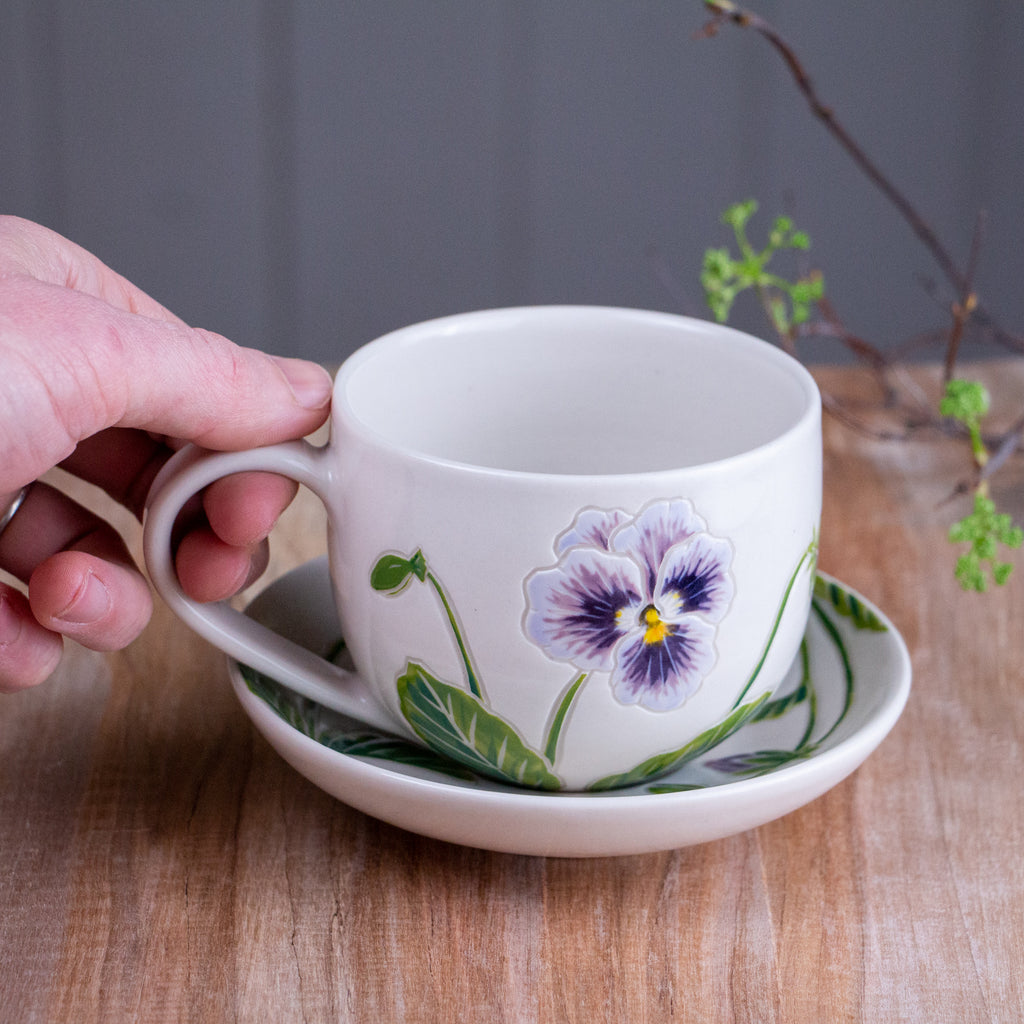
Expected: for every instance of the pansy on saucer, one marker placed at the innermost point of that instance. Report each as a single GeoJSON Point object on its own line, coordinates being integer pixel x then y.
{"type": "Point", "coordinates": [843, 694]}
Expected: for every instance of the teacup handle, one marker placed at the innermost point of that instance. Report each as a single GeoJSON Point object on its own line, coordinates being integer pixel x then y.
{"type": "Point", "coordinates": [249, 642]}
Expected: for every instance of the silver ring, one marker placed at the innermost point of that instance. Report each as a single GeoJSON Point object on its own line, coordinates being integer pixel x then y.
{"type": "Point", "coordinates": [12, 509]}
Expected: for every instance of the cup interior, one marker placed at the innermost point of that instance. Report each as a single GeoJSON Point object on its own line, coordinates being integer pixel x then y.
{"type": "Point", "coordinates": [575, 390]}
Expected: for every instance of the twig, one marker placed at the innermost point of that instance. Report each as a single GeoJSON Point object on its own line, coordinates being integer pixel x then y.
{"type": "Point", "coordinates": [961, 314]}
{"type": "Point", "coordinates": [963, 308]}
{"type": "Point", "coordinates": [841, 412]}
{"type": "Point", "coordinates": [1004, 448]}
{"type": "Point", "coordinates": [860, 347]}
{"type": "Point", "coordinates": [898, 388]}
{"type": "Point", "coordinates": [965, 403]}
{"type": "Point", "coordinates": [726, 11]}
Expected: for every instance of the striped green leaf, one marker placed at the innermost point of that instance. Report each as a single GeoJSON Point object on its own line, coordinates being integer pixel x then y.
{"type": "Point", "coordinates": [304, 716]}
{"type": "Point", "coordinates": [455, 724]}
{"type": "Point", "coordinates": [848, 605]}
{"type": "Point", "coordinates": [669, 761]}
{"type": "Point", "coordinates": [391, 748]}
{"type": "Point", "coordinates": [783, 705]}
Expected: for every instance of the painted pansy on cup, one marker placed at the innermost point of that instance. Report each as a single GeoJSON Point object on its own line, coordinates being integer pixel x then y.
{"type": "Point", "coordinates": [636, 597]}
{"type": "Point", "coordinates": [570, 547]}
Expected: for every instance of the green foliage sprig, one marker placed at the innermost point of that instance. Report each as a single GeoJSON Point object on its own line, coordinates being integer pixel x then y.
{"type": "Point", "coordinates": [724, 277]}
{"type": "Point", "coordinates": [788, 304]}
{"type": "Point", "coordinates": [968, 402]}
{"type": "Point", "coordinates": [983, 529]}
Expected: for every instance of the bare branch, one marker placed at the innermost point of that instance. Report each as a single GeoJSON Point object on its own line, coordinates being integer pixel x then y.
{"type": "Point", "coordinates": [726, 12]}
{"type": "Point", "coordinates": [746, 19]}
{"type": "Point", "coordinates": [1005, 447]}
{"type": "Point", "coordinates": [962, 309]}
{"type": "Point", "coordinates": [900, 390]}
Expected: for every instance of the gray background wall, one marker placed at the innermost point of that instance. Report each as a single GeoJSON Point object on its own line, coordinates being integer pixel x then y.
{"type": "Point", "coordinates": [305, 176]}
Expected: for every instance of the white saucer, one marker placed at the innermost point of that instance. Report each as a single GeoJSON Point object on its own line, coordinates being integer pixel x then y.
{"type": "Point", "coordinates": [855, 660]}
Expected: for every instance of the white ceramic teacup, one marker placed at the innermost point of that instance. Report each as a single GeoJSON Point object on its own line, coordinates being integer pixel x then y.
{"type": "Point", "coordinates": [571, 547]}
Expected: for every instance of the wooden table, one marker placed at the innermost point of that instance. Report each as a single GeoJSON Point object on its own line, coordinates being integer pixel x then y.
{"type": "Point", "coordinates": [158, 862]}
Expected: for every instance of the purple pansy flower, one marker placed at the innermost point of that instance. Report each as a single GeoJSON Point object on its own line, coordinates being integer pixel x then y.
{"type": "Point", "coordinates": [636, 596]}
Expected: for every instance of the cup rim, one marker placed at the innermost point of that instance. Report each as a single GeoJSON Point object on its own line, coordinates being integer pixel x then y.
{"type": "Point", "coordinates": [808, 420]}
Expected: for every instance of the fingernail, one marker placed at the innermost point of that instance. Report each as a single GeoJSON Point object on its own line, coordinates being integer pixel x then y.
{"type": "Point", "coordinates": [310, 383]}
{"type": "Point", "coordinates": [90, 603]}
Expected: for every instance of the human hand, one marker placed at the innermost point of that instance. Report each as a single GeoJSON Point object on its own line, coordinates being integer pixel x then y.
{"type": "Point", "coordinates": [98, 378]}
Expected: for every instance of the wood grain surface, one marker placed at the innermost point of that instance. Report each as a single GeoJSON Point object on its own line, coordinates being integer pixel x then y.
{"type": "Point", "coordinates": [161, 863]}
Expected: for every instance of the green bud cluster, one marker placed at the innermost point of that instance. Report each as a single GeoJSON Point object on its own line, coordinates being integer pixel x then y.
{"type": "Point", "coordinates": [724, 276]}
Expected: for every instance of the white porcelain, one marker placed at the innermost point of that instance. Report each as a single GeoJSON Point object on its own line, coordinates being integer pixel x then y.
{"type": "Point", "coordinates": [854, 660]}
{"type": "Point", "coordinates": [566, 542]}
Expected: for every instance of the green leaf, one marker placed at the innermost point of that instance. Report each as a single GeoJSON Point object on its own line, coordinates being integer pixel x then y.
{"type": "Point", "coordinates": [783, 705]}
{"type": "Point", "coordinates": [787, 304]}
{"type": "Point", "coordinates": [669, 761]}
{"type": "Point", "coordinates": [965, 400]}
{"type": "Point", "coordinates": [561, 713]}
{"type": "Point", "coordinates": [810, 554]}
{"type": "Point", "coordinates": [717, 264]}
{"type": "Point", "coordinates": [968, 402]}
{"type": "Point", "coordinates": [738, 214]}
{"type": "Point", "coordinates": [761, 761]}
{"type": "Point", "coordinates": [391, 748]}
{"type": "Point", "coordinates": [298, 712]}
{"type": "Point", "coordinates": [456, 724]}
{"type": "Point", "coordinates": [392, 572]}
{"type": "Point", "coordinates": [848, 605]}
{"type": "Point", "coordinates": [303, 716]}
{"type": "Point", "coordinates": [674, 787]}
{"type": "Point", "coordinates": [984, 529]}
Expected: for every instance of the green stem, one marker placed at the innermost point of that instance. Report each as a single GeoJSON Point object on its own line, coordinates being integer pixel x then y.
{"type": "Point", "coordinates": [812, 696]}
{"type": "Point", "coordinates": [847, 667]}
{"type": "Point", "coordinates": [775, 625]}
{"type": "Point", "coordinates": [550, 747]}
{"type": "Point", "coordinates": [471, 676]}
{"type": "Point", "coordinates": [978, 449]}
{"type": "Point", "coordinates": [743, 243]}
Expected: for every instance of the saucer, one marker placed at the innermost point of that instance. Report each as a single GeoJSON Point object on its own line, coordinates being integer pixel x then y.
{"type": "Point", "coordinates": [842, 696]}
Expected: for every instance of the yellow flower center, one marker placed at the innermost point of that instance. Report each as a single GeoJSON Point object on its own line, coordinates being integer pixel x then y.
{"type": "Point", "coordinates": [656, 630]}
